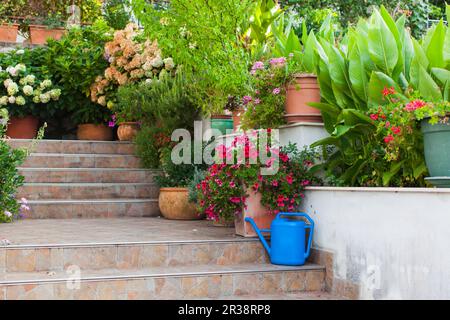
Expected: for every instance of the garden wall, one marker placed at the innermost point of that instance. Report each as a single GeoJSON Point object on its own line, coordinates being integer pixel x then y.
{"type": "Point", "coordinates": [389, 243]}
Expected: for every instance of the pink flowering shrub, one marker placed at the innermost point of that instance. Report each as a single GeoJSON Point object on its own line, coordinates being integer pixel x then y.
{"type": "Point", "coordinates": [223, 192]}
{"type": "Point", "coordinates": [264, 107]}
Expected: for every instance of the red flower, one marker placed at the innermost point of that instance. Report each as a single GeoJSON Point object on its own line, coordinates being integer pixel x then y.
{"type": "Point", "coordinates": [374, 117]}
{"type": "Point", "coordinates": [396, 130]}
{"type": "Point", "coordinates": [235, 200]}
{"type": "Point", "coordinates": [414, 105]}
{"type": "Point", "coordinates": [388, 91]}
{"type": "Point", "coordinates": [388, 138]}
{"type": "Point", "coordinates": [289, 179]}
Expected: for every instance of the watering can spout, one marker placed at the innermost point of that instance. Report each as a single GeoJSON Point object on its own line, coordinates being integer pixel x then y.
{"type": "Point", "coordinates": [259, 233]}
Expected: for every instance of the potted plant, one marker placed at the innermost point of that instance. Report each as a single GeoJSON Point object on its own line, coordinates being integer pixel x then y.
{"type": "Point", "coordinates": [280, 94]}
{"type": "Point", "coordinates": [91, 119]}
{"type": "Point", "coordinates": [253, 187]}
{"type": "Point", "coordinates": [127, 114]}
{"type": "Point", "coordinates": [25, 96]}
{"type": "Point", "coordinates": [236, 107]}
{"type": "Point", "coordinates": [174, 198]}
{"type": "Point", "coordinates": [8, 30]}
{"type": "Point", "coordinates": [50, 27]}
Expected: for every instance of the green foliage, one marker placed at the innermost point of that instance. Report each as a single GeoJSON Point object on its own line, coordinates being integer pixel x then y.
{"type": "Point", "coordinates": [148, 145]}
{"type": "Point", "coordinates": [204, 36]}
{"type": "Point", "coordinates": [379, 53]}
{"type": "Point", "coordinates": [75, 61]}
{"type": "Point", "coordinates": [115, 14]}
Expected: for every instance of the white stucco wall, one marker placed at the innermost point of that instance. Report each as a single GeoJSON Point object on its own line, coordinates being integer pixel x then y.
{"type": "Point", "coordinates": [394, 243]}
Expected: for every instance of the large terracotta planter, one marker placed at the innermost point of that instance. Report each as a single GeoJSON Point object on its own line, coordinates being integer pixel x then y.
{"type": "Point", "coordinates": [8, 32]}
{"type": "Point", "coordinates": [223, 123]}
{"type": "Point", "coordinates": [237, 115]}
{"type": "Point", "coordinates": [174, 205]}
{"type": "Point", "coordinates": [22, 128]}
{"type": "Point", "coordinates": [40, 34]}
{"type": "Point", "coordinates": [127, 131]}
{"type": "Point", "coordinates": [95, 132]}
{"type": "Point", "coordinates": [262, 217]}
{"type": "Point", "coordinates": [305, 89]}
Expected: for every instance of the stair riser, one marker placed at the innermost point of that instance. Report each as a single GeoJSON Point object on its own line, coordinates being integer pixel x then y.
{"type": "Point", "coordinates": [131, 256]}
{"type": "Point", "coordinates": [92, 210]}
{"type": "Point", "coordinates": [171, 287]}
{"type": "Point", "coordinates": [89, 192]}
{"type": "Point", "coordinates": [87, 176]}
{"type": "Point", "coordinates": [46, 146]}
{"type": "Point", "coordinates": [79, 161]}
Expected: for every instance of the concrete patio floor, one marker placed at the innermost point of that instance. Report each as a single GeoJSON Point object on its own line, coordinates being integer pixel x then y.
{"type": "Point", "coordinates": [114, 230]}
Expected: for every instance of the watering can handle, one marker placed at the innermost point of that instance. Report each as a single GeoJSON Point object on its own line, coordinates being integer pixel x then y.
{"type": "Point", "coordinates": [310, 226]}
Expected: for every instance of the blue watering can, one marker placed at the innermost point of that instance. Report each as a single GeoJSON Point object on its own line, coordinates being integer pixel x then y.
{"type": "Point", "coordinates": [287, 239]}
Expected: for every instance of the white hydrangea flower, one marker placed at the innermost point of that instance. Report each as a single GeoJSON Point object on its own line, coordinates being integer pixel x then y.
{"type": "Point", "coordinates": [45, 97]}
{"type": "Point", "coordinates": [20, 51]}
{"type": "Point", "coordinates": [3, 101]}
{"type": "Point", "coordinates": [148, 81]}
{"type": "Point", "coordinates": [169, 64]}
{"type": "Point", "coordinates": [12, 71]}
{"type": "Point", "coordinates": [46, 84]}
{"type": "Point", "coordinates": [30, 79]}
{"type": "Point", "coordinates": [13, 88]}
{"type": "Point", "coordinates": [12, 100]}
{"type": "Point", "coordinates": [20, 101]}
{"type": "Point", "coordinates": [28, 90]}
{"type": "Point", "coordinates": [55, 94]}
{"type": "Point", "coordinates": [21, 67]}
{"type": "Point", "coordinates": [157, 62]}
{"type": "Point", "coordinates": [36, 99]}
{"type": "Point", "coordinates": [7, 82]}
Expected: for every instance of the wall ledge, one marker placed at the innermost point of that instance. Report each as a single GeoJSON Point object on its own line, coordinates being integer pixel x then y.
{"type": "Point", "coordinates": [380, 190]}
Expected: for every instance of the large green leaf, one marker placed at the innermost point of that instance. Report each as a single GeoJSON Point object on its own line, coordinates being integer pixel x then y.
{"type": "Point", "coordinates": [310, 53]}
{"type": "Point", "coordinates": [442, 75]}
{"type": "Point", "coordinates": [394, 30]}
{"type": "Point", "coordinates": [407, 50]}
{"type": "Point", "coordinates": [329, 112]}
{"type": "Point", "coordinates": [435, 47]}
{"type": "Point", "coordinates": [387, 176]}
{"type": "Point", "coordinates": [383, 48]}
{"type": "Point", "coordinates": [420, 55]}
{"type": "Point", "coordinates": [424, 83]}
{"type": "Point", "coordinates": [356, 69]}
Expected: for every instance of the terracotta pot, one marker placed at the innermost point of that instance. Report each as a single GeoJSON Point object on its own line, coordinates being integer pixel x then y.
{"type": "Point", "coordinates": [305, 89]}
{"type": "Point", "coordinates": [96, 132]}
{"type": "Point", "coordinates": [8, 32]}
{"type": "Point", "coordinates": [40, 34]}
{"type": "Point", "coordinates": [174, 205]}
{"type": "Point", "coordinates": [22, 128]}
{"type": "Point", "coordinates": [263, 218]}
{"type": "Point", "coordinates": [127, 131]}
{"type": "Point", "coordinates": [237, 115]}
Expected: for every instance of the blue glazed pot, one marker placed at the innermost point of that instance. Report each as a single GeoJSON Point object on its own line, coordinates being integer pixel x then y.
{"type": "Point", "coordinates": [222, 123]}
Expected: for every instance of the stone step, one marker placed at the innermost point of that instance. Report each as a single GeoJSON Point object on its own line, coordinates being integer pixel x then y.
{"type": "Point", "coordinates": [76, 146]}
{"type": "Point", "coordinates": [104, 208]}
{"type": "Point", "coordinates": [129, 255]}
{"type": "Point", "coordinates": [194, 282]}
{"type": "Point", "coordinates": [87, 175]}
{"type": "Point", "coordinates": [66, 160]}
{"type": "Point", "coordinates": [43, 191]}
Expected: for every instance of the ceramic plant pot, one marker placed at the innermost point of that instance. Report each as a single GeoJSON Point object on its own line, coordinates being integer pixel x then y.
{"type": "Point", "coordinates": [127, 131]}
{"type": "Point", "coordinates": [223, 123]}
{"type": "Point", "coordinates": [40, 34]}
{"type": "Point", "coordinates": [174, 204]}
{"type": "Point", "coordinates": [305, 89]}
{"type": "Point", "coordinates": [437, 152]}
{"type": "Point", "coordinates": [94, 132]}
{"type": "Point", "coordinates": [255, 210]}
{"type": "Point", "coordinates": [23, 128]}
{"type": "Point", "coordinates": [8, 32]}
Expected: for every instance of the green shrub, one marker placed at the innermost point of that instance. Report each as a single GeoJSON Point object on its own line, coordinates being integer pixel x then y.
{"type": "Point", "coordinates": [115, 13]}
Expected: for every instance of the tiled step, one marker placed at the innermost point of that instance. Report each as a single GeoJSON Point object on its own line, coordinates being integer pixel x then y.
{"type": "Point", "coordinates": [66, 160]}
{"type": "Point", "coordinates": [309, 295]}
{"type": "Point", "coordinates": [85, 191]}
{"type": "Point", "coordinates": [87, 175]}
{"type": "Point", "coordinates": [105, 208]}
{"type": "Point", "coordinates": [76, 146]}
{"type": "Point", "coordinates": [130, 255]}
{"type": "Point", "coordinates": [196, 282]}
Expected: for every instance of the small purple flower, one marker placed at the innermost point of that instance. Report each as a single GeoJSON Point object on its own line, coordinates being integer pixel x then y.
{"type": "Point", "coordinates": [258, 65]}
{"type": "Point", "coordinates": [276, 91]}
{"type": "Point", "coordinates": [112, 123]}
{"type": "Point", "coordinates": [247, 99]}
{"type": "Point", "coordinates": [257, 101]}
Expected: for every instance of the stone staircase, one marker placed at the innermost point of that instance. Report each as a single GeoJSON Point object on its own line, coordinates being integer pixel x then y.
{"type": "Point", "coordinates": [82, 179]}
{"type": "Point", "coordinates": [132, 254]}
